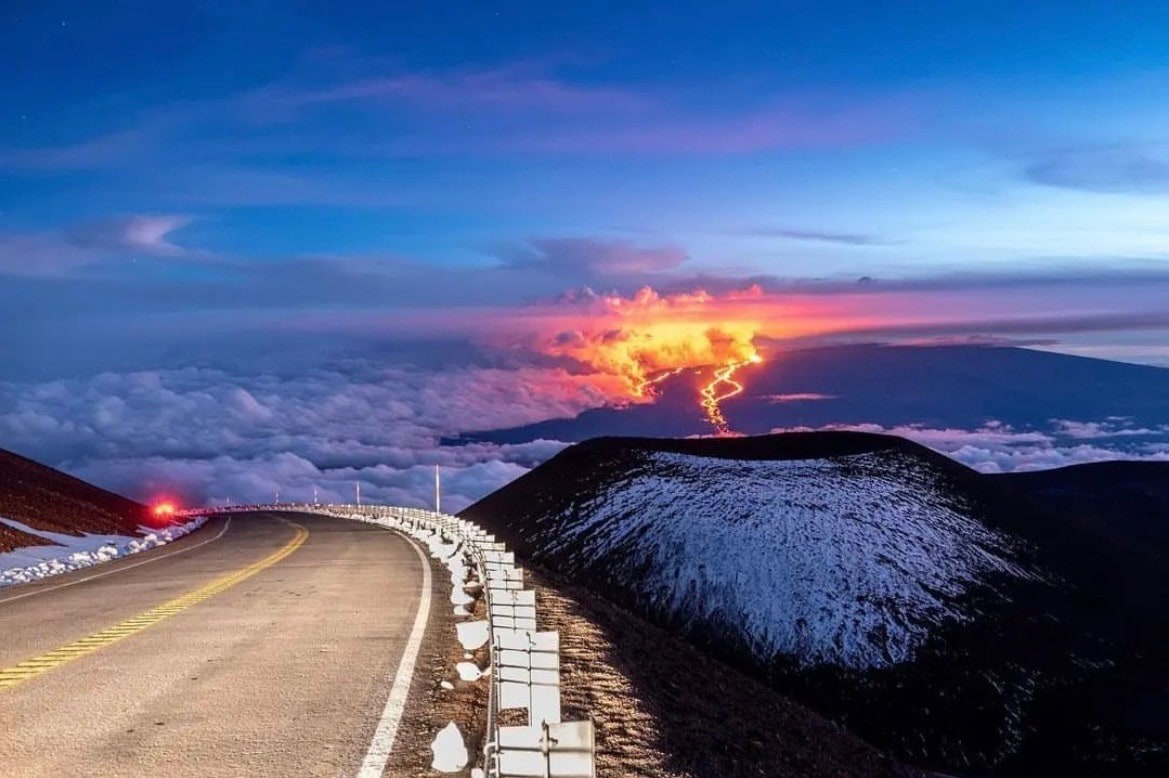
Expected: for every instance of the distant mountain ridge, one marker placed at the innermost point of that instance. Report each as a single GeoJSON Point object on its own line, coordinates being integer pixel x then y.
{"type": "Point", "coordinates": [41, 497]}
{"type": "Point", "coordinates": [939, 386]}
{"type": "Point", "coordinates": [947, 616]}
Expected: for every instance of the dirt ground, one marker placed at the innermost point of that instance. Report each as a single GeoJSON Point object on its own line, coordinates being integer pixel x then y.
{"type": "Point", "coordinates": [664, 710]}
{"type": "Point", "coordinates": [47, 499]}
{"type": "Point", "coordinates": [431, 707]}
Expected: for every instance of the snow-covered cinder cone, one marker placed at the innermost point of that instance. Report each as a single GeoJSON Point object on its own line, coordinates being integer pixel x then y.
{"type": "Point", "coordinates": [450, 753]}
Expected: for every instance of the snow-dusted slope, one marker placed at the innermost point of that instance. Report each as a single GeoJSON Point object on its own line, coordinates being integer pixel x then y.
{"type": "Point", "coordinates": [63, 552]}
{"type": "Point", "coordinates": [851, 560]}
{"type": "Point", "coordinates": [48, 500]}
{"type": "Point", "coordinates": [939, 613]}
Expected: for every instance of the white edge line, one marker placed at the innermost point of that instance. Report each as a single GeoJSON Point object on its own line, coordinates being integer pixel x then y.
{"type": "Point", "coordinates": [387, 729]}
{"type": "Point", "coordinates": [120, 568]}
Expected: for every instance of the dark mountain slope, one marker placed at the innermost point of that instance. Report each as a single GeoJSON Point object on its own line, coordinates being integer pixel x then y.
{"type": "Point", "coordinates": [939, 613]}
{"type": "Point", "coordinates": [44, 498]}
{"type": "Point", "coordinates": [938, 386]}
{"type": "Point", "coordinates": [1127, 500]}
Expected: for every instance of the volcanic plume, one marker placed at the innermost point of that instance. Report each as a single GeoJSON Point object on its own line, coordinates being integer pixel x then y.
{"type": "Point", "coordinates": [649, 337]}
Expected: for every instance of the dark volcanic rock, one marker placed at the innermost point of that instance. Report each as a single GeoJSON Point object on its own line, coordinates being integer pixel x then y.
{"type": "Point", "coordinates": [44, 498]}
{"type": "Point", "coordinates": [947, 616]}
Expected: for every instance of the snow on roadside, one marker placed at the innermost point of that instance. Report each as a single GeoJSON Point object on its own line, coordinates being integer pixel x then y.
{"type": "Point", "coordinates": [450, 752]}
{"type": "Point", "coordinates": [32, 563]}
{"type": "Point", "coordinates": [472, 634]}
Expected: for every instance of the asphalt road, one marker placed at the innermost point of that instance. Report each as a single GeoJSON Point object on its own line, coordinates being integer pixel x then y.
{"type": "Point", "coordinates": [268, 650]}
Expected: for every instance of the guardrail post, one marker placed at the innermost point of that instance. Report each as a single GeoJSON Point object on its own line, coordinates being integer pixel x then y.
{"type": "Point", "coordinates": [534, 746]}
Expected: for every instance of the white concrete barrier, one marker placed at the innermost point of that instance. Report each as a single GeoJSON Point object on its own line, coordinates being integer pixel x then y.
{"type": "Point", "coordinates": [525, 662]}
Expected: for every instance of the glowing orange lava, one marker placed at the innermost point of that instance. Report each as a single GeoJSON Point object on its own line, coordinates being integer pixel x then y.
{"type": "Point", "coordinates": [721, 388]}
{"type": "Point", "coordinates": [648, 384]}
{"type": "Point", "coordinates": [642, 340]}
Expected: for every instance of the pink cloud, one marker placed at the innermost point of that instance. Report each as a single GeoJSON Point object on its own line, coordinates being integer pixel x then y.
{"type": "Point", "coordinates": [765, 130]}
{"type": "Point", "coordinates": [508, 88]}
{"type": "Point", "coordinates": [517, 109]}
{"type": "Point", "coordinates": [799, 397]}
{"type": "Point", "coordinates": [666, 130]}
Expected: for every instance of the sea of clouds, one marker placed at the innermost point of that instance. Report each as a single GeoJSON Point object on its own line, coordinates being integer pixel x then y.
{"type": "Point", "coordinates": [211, 436]}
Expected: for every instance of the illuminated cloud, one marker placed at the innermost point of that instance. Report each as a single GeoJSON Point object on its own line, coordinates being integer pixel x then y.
{"type": "Point", "coordinates": [798, 397]}
{"type": "Point", "coordinates": [55, 253]}
{"type": "Point", "coordinates": [136, 234]}
{"type": "Point", "coordinates": [637, 336]}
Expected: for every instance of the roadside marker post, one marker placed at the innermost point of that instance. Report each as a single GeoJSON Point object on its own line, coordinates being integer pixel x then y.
{"type": "Point", "coordinates": [525, 662]}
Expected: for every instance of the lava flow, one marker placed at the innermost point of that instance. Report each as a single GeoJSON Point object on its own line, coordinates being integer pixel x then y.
{"type": "Point", "coordinates": [648, 384]}
{"type": "Point", "coordinates": [723, 387]}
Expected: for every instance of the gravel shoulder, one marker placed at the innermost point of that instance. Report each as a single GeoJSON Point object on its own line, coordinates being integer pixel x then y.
{"type": "Point", "coordinates": [663, 709]}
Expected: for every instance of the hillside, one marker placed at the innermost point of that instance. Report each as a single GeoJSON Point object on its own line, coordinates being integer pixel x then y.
{"type": "Point", "coordinates": [654, 721]}
{"type": "Point", "coordinates": [961, 387]}
{"type": "Point", "coordinates": [46, 499]}
{"type": "Point", "coordinates": [1129, 500]}
{"type": "Point", "coordinates": [941, 614]}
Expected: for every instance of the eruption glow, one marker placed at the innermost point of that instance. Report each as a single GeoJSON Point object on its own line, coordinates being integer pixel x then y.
{"type": "Point", "coordinates": [648, 338]}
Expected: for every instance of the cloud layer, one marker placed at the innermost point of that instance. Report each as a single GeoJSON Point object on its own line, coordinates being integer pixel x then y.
{"type": "Point", "coordinates": [212, 437]}
{"type": "Point", "coordinates": [1000, 448]}
{"type": "Point", "coordinates": [209, 436]}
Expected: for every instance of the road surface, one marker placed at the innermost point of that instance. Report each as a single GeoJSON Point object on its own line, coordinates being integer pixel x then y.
{"type": "Point", "coordinates": [268, 646]}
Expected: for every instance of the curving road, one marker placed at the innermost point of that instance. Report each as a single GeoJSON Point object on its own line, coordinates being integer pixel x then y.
{"type": "Point", "coordinates": [262, 644]}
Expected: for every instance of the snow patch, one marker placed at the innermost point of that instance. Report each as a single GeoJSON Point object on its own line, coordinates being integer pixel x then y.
{"type": "Point", "coordinates": [32, 563]}
{"type": "Point", "coordinates": [472, 634]}
{"type": "Point", "coordinates": [450, 753]}
{"type": "Point", "coordinates": [468, 671]}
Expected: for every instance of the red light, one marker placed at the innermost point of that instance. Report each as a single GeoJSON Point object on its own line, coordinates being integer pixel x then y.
{"type": "Point", "coordinates": [164, 509]}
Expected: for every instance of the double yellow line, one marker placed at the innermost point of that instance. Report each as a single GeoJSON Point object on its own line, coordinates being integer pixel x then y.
{"type": "Point", "coordinates": [30, 668]}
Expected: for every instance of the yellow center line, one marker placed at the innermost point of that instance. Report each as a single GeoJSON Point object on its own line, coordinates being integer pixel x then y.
{"type": "Point", "coordinates": [30, 668]}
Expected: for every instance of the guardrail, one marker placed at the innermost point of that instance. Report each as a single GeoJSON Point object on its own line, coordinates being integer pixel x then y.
{"type": "Point", "coordinates": [524, 662]}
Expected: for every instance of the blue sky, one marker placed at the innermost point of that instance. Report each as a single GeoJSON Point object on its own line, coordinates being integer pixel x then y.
{"type": "Point", "coordinates": [190, 158]}
{"type": "Point", "coordinates": [950, 134]}
{"type": "Point", "coordinates": [294, 220]}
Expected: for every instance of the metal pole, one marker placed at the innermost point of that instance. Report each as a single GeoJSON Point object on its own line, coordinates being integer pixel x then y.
{"type": "Point", "coordinates": [545, 745]}
{"type": "Point", "coordinates": [357, 484]}
{"type": "Point", "coordinates": [437, 491]}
